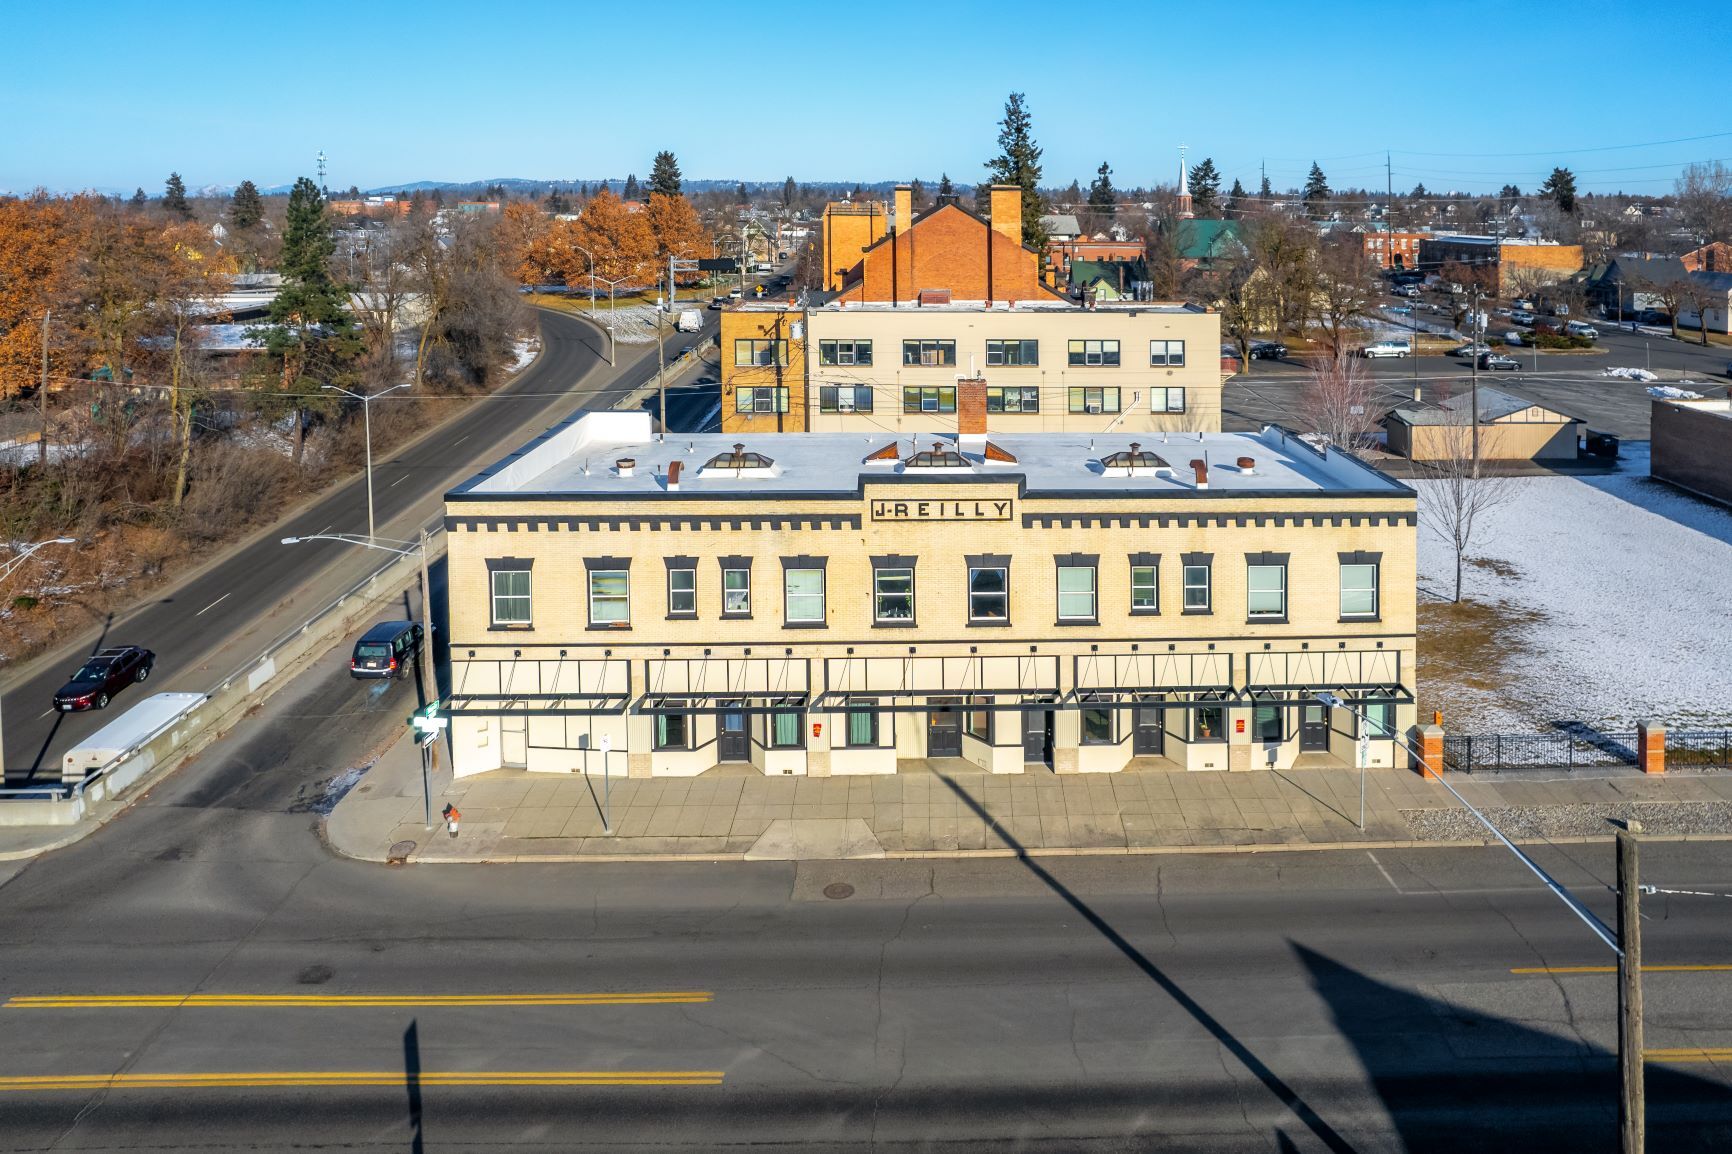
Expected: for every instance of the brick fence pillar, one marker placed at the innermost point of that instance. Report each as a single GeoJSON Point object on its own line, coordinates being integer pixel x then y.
{"type": "Point", "coordinates": [1429, 739]}
{"type": "Point", "coordinates": [1651, 748]}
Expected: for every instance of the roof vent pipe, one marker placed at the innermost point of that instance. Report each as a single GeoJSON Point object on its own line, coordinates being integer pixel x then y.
{"type": "Point", "coordinates": [1247, 465]}
{"type": "Point", "coordinates": [1200, 468]}
{"type": "Point", "coordinates": [674, 476]}
{"type": "Point", "coordinates": [625, 466]}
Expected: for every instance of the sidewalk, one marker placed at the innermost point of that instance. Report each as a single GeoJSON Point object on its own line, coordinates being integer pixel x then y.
{"type": "Point", "coordinates": [950, 809]}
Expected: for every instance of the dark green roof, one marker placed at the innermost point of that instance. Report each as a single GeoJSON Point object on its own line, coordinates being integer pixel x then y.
{"type": "Point", "coordinates": [1206, 239]}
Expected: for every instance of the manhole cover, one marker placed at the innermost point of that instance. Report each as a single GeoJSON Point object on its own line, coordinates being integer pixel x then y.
{"type": "Point", "coordinates": [838, 890]}
{"type": "Point", "coordinates": [399, 852]}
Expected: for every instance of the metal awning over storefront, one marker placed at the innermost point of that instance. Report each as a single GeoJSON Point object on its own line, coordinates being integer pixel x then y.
{"type": "Point", "coordinates": [752, 703]}
{"type": "Point", "coordinates": [987, 701]}
{"type": "Point", "coordinates": [536, 705]}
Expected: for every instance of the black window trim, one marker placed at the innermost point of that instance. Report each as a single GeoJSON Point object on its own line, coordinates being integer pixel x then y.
{"type": "Point", "coordinates": [1206, 561]}
{"type": "Point", "coordinates": [1268, 560]}
{"type": "Point", "coordinates": [974, 561]}
{"type": "Point", "coordinates": [805, 562]}
{"type": "Point", "coordinates": [1143, 561]}
{"type": "Point", "coordinates": [897, 561]}
{"type": "Point", "coordinates": [730, 563]}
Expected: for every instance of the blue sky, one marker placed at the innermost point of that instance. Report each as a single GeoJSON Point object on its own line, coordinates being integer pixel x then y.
{"type": "Point", "coordinates": [1469, 95]}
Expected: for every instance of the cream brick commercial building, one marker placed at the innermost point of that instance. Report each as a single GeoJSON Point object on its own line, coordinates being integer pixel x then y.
{"type": "Point", "coordinates": [1050, 366]}
{"type": "Point", "coordinates": [833, 603]}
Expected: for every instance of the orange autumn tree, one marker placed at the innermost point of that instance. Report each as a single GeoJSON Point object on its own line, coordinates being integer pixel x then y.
{"type": "Point", "coordinates": [35, 267]}
{"type": "Point", "coordinates": [188, 292]}
{"type": "Point", "coordinates": [619, 239]}
{"type": "Point", "coordinates": [521, 229]}
{"type": "Point", "coordinates": [674, 224]}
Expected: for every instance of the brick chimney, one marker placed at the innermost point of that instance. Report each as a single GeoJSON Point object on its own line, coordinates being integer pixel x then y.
{"type": "Point", "coordinates": [904, 207]}
{"type": "Point", "coordinates": [971, 406]}
{"type": "Point", "coordinates": [1006, 205]}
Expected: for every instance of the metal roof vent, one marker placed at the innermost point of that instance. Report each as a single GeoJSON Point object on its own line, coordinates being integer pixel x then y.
{"type": "Point", "coordinates": [1247, 465]}
{"type": "Point", "coordinates": [625, 466]}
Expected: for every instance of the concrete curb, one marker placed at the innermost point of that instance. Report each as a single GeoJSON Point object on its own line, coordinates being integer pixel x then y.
{"type": "Point", "coordinates": [968, 854]}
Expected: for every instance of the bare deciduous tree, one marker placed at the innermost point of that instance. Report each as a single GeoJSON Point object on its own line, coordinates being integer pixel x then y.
{"type": "Point", "coordinates": [1455, 493]}
{"type": "Point", "coordinates": [1704, 196]}
{"type": "Point", "coordinates": [1341, 401]}
{"type": "Point", "coordinates": [1344, 287]}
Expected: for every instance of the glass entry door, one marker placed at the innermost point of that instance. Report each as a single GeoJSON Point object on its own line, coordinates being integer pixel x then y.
{"type": "Point", "coordinates": [733, 742]}
{"type": "Point", "coordinates": [944, 730]}
{"type": "Point", "coordinates": [1148, 738]}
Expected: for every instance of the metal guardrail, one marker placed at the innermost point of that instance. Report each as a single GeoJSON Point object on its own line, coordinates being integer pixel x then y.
{"type": "Point", "coordinates": [1699, 748]}
{"type": "Point", "coordinates": [1507, 752]}
{"type": "Point", "coordinates": [256, 671]}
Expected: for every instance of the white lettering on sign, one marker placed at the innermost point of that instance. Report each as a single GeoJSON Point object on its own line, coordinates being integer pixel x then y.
{"type": "Point", "coordinates": [941, 510]}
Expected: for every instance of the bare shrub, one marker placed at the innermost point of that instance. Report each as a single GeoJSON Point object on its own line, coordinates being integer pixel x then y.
{"type": "Point", "coordinates": [233, 487]}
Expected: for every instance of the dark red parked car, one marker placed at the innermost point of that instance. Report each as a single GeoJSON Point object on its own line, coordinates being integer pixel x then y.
{"type": "Point", "coordinates": [103, 674]}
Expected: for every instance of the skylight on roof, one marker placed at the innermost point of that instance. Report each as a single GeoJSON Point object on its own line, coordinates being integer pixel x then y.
{"type": "Point", "coordinates": [739, 459]}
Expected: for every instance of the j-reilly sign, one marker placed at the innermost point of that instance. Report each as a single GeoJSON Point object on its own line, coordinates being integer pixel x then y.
{"type": "Point", "coordinates": [965, 510]}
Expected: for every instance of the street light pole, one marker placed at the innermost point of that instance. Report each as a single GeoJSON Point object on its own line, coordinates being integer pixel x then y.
{"type": "Point", "coordinates": [24, 554]}
{"type": "Point", "coordinates": [367, 420]}
{"type": "Point", "coordinates": [1632, 1102]}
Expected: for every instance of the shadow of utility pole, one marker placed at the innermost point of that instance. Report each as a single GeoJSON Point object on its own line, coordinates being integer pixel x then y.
{"type": "Point", "coordinates": [412, 1079]}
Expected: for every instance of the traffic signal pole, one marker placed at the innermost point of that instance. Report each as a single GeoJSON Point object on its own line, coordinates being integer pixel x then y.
{"type": "Point", "coordinates": [1632, 1097]}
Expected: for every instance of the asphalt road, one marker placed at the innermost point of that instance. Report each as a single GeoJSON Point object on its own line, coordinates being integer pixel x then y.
{"type": "Point", "coordinates": [231, 601]}
{"type": "Point", "coordinates": [1339, 1001]}
{"type": "Point", "coordinates": [1572, 383]}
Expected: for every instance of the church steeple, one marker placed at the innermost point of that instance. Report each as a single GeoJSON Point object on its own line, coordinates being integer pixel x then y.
{"type": "Point", "coordinates": [1186, 212]}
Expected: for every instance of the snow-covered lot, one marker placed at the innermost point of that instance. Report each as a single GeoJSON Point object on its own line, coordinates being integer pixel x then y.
{"type": "Point", "coordinates": [1606, 600]}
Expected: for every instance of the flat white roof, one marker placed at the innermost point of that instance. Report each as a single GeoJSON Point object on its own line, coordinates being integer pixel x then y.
{"type": "Point", "coordinates": [578, 459]}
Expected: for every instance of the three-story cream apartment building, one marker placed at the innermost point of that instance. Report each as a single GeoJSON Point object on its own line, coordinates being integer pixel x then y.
{"type": "Point", "coordinates": [839, 602]}
{"type": "Point", "coordinates": [1050, 365]}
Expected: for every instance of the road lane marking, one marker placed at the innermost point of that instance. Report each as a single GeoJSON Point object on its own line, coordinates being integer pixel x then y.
{"type": "Point", "coordinates": [1383, 871]}
{"type": "Point", "coordinates": [298, 1001]}
{"type": "Point", "coordinates": [214, 604]}
{"type": "Point", "coordinates": [1690, 1054]}
{"type": "Point", "coordinates": [398, 481]}
{"type": "Point", "coordinates": [459, 440]}
{"type": "Point", "coordinates": [1614, 969]}
{"type": "Point", "coordinates": [339, 1079]}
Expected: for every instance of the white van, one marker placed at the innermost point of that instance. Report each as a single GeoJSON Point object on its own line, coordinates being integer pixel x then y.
{"type": "Point", "coordinates": [1387, 349]}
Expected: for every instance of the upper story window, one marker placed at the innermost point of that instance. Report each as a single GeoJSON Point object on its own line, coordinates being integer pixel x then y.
{"type": "Point", "coordinates": [1076, 588]}
{"type": "Point", "coordinates": [803, 590]}
{"type": "Point", "coordinates": [609, 592]}
{"type": "Point", "coordinates": [844, 352]}
{"type": "Point", "coordinates": [893, 594]}
{"type": "Point", "coordinates": [509, 579]}
{"type": "Point", "coordinates": [1266, 586]}
{"type": "Point", "coordinates": [929, 399]}
{"type": "Point", "coordinates": [682, 586]}
{"type": "Point", "coordinates": [1196, 582]}
{"type": "Point", "coordinates": [1170, 354]}
{"type": "Point", "coordinates": [989, 589]}
{"type": "Point", "coordinates": [736, 586]}
{"type": "Point", "coordinates": [761, 399]}
{"type": "Point", "coordinates": [1145, 583]}
{"type": "Point", "coordinates": [1359, 574]}
{"type": "Point", "coordinates": [1094, 400]}
{"type": "Point", "coordinates": [844, 398]}
{"type": "Point", "coordinates": [1013, 353]}
{"type": "Point", "coordinates": [1012, 399]}
{"type": "Point", "coordinates": [929, 353]}
{"type": "Point", "coordinates": [1167, 400]}
{"type": "Point", "coordinates": [1093, 353]}
{"type": "Point", "coordinates": [750, 353]}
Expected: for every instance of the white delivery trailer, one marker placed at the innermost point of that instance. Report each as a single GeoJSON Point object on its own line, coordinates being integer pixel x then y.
{"type": "Point", "coordinates": [690, 321]}
{"type": "Point", "coordinates": [138, 725]}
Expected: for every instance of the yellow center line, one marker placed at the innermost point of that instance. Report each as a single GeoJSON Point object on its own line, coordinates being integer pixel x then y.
{"type": "Point", "coordinates": [1614, 969]}
{"type": "Point", "coordinates": [1689, 1054]}
{"type": "Point", "coordinates": [175, 1001]}
{"type": "Point", "coordinates": [359, 1078]}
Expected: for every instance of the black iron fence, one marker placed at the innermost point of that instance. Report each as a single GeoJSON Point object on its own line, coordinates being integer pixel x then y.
{"type": "Point", "coordinates": [1699, 748]}
{"type": "Point", "coordinates": [1503, 752]}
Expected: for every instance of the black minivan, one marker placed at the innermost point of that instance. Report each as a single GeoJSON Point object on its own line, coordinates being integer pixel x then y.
{"type": "Point", "coordinates": [386, 650]}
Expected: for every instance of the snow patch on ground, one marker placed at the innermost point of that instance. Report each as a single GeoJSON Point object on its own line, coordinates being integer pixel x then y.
{"type": "Point", "coordinates": [1672, 392]}
{"type": "Point", "coordinates": [523, 351]}
{"type": "Point", "coordinates": [1629, 374]}
{"type": "Point", "coordinates": [1624, 579]}
{"type": "Point", "coordinates": [633, 324]}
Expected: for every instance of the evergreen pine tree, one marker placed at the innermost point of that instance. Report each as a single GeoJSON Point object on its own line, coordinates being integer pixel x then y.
{"type": "Point", "coordinates": [917, 195]}
{"type": "Point", "coordinates": [945, 188]}
{"type": "Point", "coordinates": [741, 195]}
{"type": "Point", "coordinates": [600, 188]}
{"type": "Point", "coordinates": [665, 174]}
{"type": "Point", "coordinates": [1419, 192]}
{"type": "Point", "coordinates": [1316, 194]}
{"type": "Point", "coordinates": [1235, 198]}
{"type": "Point", "coordinates": [1073, 195]}
{"type": "Point", "coordinates": [857, 193]}
{"type": "Point", "coordinates": [1102, 198]}
{"type": "Point", "coordinates": [1264, 192]}
{"type": "Point", "coordinates": [1205, 186]}
{"type": "Point", "coordinates": [139, 199]}
{"type": "Point", "coordinates": [631, 188]}
{"type": "Point", "coordinates": [1560, 186]}
{"type": "Point", "coordinates": [174, 197]}
{"type": "Point", "coordinates": [1509, 192]}
{"type": "Point", "coordinates": [246, 209]}
{"type": "Point", "coordinates": [1018, 163]}
{"type": "Point", "coordinates": [789, 192]}
{"type": "Point", "coordinates": [310, 332]}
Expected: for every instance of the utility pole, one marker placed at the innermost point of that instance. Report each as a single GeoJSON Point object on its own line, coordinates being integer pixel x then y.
{"type": "Point", "coordinates": [42, 393]}
{"type": "Point", "coordinates": [662, 358]}
{"type": "Point", "coordinates": [1632, 1099]}
{"type": "Point", "coordinates": [1473, 363]}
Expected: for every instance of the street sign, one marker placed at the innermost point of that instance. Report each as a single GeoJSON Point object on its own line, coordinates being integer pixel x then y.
{"type": "Point", "coordinates": [605, 744]}
{"type": "Point", "coordinates": [719, 264]}
{"type": "Point", "coordinates": [1364, 750]}
{"type": "Point", "coordinates": [427, 719]}
{"type": "Point", "coordinates": [685, 265]}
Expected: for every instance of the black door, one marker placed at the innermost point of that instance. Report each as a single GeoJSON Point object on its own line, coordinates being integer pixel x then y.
{"type": "Point", "coordinates": [1313, 727]}
{"type": "Point", "coordinates": [733, 743]}
{"type": "Point", "coordinates": [944, 732]}
{"type": "Point", "coordinates": [1037, 736]}
{"type": "Point", "coordinates": [1147, 737]}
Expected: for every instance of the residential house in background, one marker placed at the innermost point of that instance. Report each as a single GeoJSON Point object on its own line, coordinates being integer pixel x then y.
{"type": "Point", "coordinates": [1510, 429]}
{"type": "Point", "coordinates": [1201, 243]}
{"type": "Point", "coordinates": [1111, 280]}
{"type": "Point", "coordinates": [1713, 257]}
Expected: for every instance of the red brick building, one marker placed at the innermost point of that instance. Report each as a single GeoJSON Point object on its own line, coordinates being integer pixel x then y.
{"type": "Point", "coordinates": [951, 249]}
{"type": "Point", "coordinates": [1393, 249]}
{"type": "Point", "coordinates": [1713, 257]}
